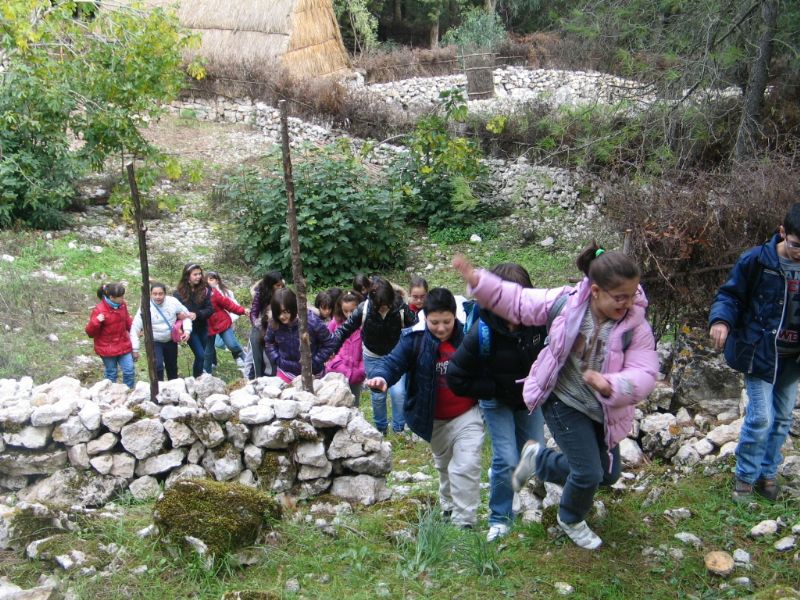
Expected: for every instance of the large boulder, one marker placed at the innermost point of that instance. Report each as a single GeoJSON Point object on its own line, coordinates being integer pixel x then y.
{"type": "Point", "coordinates": [224, 516]}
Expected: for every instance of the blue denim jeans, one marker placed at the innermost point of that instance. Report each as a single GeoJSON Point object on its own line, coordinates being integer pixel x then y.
{"type": "Point", "coordinates": [397, 395]}
{"type": "Point", "coordinates": [197, 343]}
{"type": "Point", "coordinates": [125, 363]}
{"type": "Point", "coordinates": [228, 338]}
{"type": "Point", "coordinates": [767, 420]}
{"type": "Point", "coordinates": [166, 354]}
{"type": "Point", "coordinates": [509, 430]}
{"type": "Point", "coordinates": [583, 463]}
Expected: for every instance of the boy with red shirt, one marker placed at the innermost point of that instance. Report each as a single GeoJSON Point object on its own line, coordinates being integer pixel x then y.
{"type": "Point", "coordinates": [452, 424]}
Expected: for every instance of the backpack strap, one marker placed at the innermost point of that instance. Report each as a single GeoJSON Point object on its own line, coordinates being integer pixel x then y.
{"type": "Point", "coordinates": [555, 310]}
{"type": "Point", "coordinates": [166, 322]}
{"type": "Point", "coordinates": [484, 339]}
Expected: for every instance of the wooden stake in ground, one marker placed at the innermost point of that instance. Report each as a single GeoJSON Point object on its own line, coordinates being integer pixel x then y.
{"type": "Point", "coordinates": [147, 324]}
{"type": "Point", "coordinates": [297, 263]}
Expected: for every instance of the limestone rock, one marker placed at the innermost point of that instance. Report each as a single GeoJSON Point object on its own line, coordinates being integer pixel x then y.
{"type": "Point", "coordinates": [143, 438]}
{"type": "Point", "coordinates": [116, 418]}
{"type": "Point", "coordinates": [45, 463]}
{"type": "Point", "coordinates": [102, 444]}
{"type": "Point", "coordinates": [237, 434]}
{"type": "Point", "coordinates": [144, 488]}
{"type": "Point", "coordinates": [785, 544]}
{"type": "Point", "coordinates": [311, 453]}
{"type": "Point", "coordinates": [329, 416]}
{"type": "Point", "coordinates": [78, 456]}
{"type": "Point", "coordinates": [69, 487]}
{"type": "Point", "coordinates": [362, 488]}
{"type": "Point", "coordinates": [630, 453]}
{"type": "Point", "coordinates": [257, 414]}
{"type": "Point", "coordinates": [206, 385]}
{"type": "Point", "coordinates": [123, 465]}
{"type": "Point", "coordinates": [29, 437]}
{"type": "Point", "coordinates": [224, 463]}
{"type": "Point", "coordinates": [273, 436]}
{"type": "Point", "coordinates": [161, 463]}
{"type": "Point", "coordinates": [376, 463]}
{"type": "Point", "coordinates": [207, 430]}
{"type": "Point", "coordinates": [102, 463]}
{"type": "Point", "coordinates": [719, 563]}
{"type": "Point", "coordinates": [766, 527]}
{"type": "Point", "coordinates": [50, 414]}
{"type": "Point", "coordinates": [721, 435]}
{"type": "Point", "coordinates": [179, 434]}
{"type": "Point", "coordinates": [184, 473]}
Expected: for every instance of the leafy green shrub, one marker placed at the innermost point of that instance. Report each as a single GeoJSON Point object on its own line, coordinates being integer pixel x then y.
{"type": "Point", "coordinates": [347, 224]}
{"type": "Point", "coordinates": [438, 173]}
{"type": "Point", "coordinates": [479, 29]}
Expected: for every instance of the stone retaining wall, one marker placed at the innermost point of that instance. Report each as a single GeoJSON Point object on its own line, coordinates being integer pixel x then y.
{"type": "Point", "coordinates": [66, 444]}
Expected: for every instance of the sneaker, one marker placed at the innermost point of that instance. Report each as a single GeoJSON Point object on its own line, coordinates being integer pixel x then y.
{"type": "Point", "coordinates": [497, 531]}
{"type": "Point", "coordinates": [767, 488]}
{"type": "Point", "coordinates": [240, 362]}
{"type": "Point", "coordinates": [742, 492]}
{"type": "Point", "coordinates": [580, 534]}
{"type": "Point", "coordinates": [527, 464]}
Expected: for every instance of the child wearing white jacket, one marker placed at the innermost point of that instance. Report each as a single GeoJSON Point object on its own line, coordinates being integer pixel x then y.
{"type": "Point", "coordinates": [164, 312]}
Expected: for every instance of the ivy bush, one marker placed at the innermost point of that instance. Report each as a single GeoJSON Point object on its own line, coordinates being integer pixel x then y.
{"type": "Point", "coordinates": [441, 172]}
{"type": "Point", "coordinates": [347, 223]}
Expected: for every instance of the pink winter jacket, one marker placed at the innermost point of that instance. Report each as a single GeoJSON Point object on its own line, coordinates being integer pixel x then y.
{"type": "Point", "coordinates": [632, 374]}
{"type": "Point", "coordinates": [349, 361]}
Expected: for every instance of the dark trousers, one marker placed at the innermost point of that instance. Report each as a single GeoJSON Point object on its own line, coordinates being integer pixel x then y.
{"type": "Point", "coordinates": [166, 355]}
{"type": "Point", "coordinates": [197, 343]}
{"type": "Point", "coordinates": [583, 463]}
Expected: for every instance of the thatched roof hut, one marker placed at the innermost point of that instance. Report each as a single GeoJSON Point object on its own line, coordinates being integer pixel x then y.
{"type": "Point", "coordinates": [302, 36]}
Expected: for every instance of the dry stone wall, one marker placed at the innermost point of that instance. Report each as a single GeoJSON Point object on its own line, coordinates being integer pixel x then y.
{"type": "Point", "coordinates": [66, 444]}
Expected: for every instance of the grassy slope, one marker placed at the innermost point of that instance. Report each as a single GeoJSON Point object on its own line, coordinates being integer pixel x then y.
{"type": "Point", "coordinates": [365, 559]}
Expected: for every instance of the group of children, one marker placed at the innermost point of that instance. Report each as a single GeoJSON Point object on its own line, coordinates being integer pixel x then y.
{"type": "Point", "coordinates": [576, 358]}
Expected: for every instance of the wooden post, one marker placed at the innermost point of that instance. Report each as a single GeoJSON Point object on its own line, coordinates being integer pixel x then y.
{"type": "Point", "coordinates": [297, 263]}
{"type": "Point", "coordinates": [145, 304]}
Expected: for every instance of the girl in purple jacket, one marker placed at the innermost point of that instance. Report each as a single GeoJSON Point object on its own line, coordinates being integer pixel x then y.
{"type": "Point", "coordinates": [282, 339]}
{"type": "Point", "coordinates": [600, 362]}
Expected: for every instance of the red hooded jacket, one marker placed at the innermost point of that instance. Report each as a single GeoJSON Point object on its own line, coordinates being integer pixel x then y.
{"type": "Point", "coordinates": [220, 320]}
{"type": "Point", "coordinates": [111, 336]}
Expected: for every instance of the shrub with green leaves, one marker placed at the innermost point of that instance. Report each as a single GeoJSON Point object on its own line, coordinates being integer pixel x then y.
{"type": "Point", "coordinates": [441, 171]}
{"type": "Point", "coordinates": [347, 223]}
{"type": "Point", "coordinates": [479, 29]}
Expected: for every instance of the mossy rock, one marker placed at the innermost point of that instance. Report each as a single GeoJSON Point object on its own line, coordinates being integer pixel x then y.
{"type": "Point", "coordinates": [33, 522]}
{"type": "Point", "coordinates": [225, 516]}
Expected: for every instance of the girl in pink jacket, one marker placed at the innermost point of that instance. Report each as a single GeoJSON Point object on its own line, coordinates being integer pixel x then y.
{"type": "Point", "coordinates": [600, 362]}
{"type": "Point", "coordinates": [349, 361]}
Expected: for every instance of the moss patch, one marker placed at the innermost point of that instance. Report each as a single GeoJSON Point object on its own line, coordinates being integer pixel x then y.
{"type": "Point", "coordinates": [31, 523]}
{"type": "Point", "coordinates": [226, 516]}
{"type": "Point", "coordinates": [250, 595]}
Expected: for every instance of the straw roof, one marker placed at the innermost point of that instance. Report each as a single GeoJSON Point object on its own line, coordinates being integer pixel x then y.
{"type": "Point", "coordinates": [300, 35]}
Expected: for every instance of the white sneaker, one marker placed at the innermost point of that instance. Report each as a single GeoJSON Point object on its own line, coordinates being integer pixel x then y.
{"type": "Point", "coordinates": [527, 464]}
{"type": "Point", "coordinates": [240, 362]}
{"type": "Point", "coordinates": [496, 531]}
{"type": "Point", "coordinates": [580, 534]}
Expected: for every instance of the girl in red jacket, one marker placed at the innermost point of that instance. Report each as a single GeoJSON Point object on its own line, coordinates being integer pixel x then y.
{"type": "Point", "coordinates": [109, 326]}
{"type": "Point", "coordinates": [220, 322]}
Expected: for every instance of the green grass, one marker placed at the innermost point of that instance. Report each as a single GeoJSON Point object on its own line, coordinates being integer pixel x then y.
{"type": "Point", "coordinates": [403, 548]}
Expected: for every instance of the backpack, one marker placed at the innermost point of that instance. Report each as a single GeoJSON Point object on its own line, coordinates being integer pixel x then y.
{"type": "Point", "coordinates": [555, 310]}
{"type": "Point", "coordinates": [472, 309]}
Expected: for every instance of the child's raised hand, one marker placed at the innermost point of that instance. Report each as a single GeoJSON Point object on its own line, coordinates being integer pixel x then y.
{"type": "Point", "coordinates": [101, 317]}
{"type": "Point", "coordinates": [464, 267]}
{"type": "Point", "coordinates": [376, 383]}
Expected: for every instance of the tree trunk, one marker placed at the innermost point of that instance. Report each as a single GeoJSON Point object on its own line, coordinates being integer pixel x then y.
{"type": "Point", "coordinates": [297, 262]}
{"type": "Point", "coordinates": [398, 11]}
{"type": "Point", "coordinates": [489, 5]}
{"type": "Point", "coordinates": [434, 33]}
{"type": "Point", "coordinates": [757, 83]}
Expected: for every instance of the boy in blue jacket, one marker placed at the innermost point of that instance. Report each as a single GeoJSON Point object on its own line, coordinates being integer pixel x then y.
{"type": "Point", "coordinates": [756, 318]}
{"type": "Point", "coordinates": [452, 424]}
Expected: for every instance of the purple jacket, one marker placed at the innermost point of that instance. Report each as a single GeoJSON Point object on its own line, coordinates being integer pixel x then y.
{"type": "Point", "coordinates": [282, 345]}
{"type": "Point", "coordinates": [349, 361]}
{"type": "Point", "coordinates": [632, 374]}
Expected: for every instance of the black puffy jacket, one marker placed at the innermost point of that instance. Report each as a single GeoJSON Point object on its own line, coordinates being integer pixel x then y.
{"type": "Point", "coordinates": [379, 334]}
{"type": "Point", "coordinates": [511, 354]}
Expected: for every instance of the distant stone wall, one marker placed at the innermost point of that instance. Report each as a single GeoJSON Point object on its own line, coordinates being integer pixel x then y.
{"type": "Point", "coordinates": [67, 444]}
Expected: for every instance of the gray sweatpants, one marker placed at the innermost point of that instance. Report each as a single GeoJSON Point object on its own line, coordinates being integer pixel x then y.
{"type": "Point", "coordinates": [456, 445]}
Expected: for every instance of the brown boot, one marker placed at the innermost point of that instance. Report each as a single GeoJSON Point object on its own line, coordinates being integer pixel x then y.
{"type": "Point", "coordinates": [742, 492]}
{"type": "Point", "coordinates": [767, 488]}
